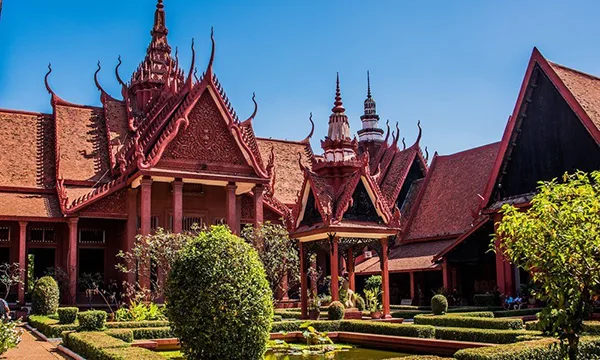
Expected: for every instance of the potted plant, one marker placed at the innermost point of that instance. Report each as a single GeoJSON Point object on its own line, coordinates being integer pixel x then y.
{"type": "Point", "coordinates": [314, 310]}
{"type": "Point", "coordinates": [372, 300]}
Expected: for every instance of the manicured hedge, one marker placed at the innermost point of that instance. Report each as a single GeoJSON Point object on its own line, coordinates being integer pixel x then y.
{"type": "Point", "coordinates": [485, 300]}
{"type": "Point", "coordinates": [408, 314]}
{"type": "Point", "coordinates": [359, 326]}
{"type": "Point", "coordinates": [589, 348]}
{"type": "Point", "coordinates": [482, 335]}
{"type": "Point", "coordinates": [152, 333]}
{"type": "Point", "coordinates": [67, 315]}
{"type": "Point", "coordinates": [100, 346]}
{"type": "Point", "coordinates": [50, 327]}
{"type": "Point", "coordinates": [469, 322]}
{"type": "Point", "coordinates": [123, 334]}
{"type": "Point", "coordinates": [589, 327]}
{"type": "Point", "coordinates": [91, 320]}
{"type": "Point", "coordinates": [422, 357]}
{"type": "Point", "coordinates": [480, 314]}
{"type": "Point", "coordinates": [520, 312]}
{"type": "Point", "coordinates": [277, 318]}
{"type": "Point", "coordinates": [136, 324]}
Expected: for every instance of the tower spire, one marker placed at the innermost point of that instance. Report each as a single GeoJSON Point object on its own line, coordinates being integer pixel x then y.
{"type": "Point", "coordinates": [368, 85]}
{"type": "Point", "coordinates": [370, 120]}
{"type": "Point", "coordinates": [338, 145]}
{"type": "Point", "coordinates": [338, 104]}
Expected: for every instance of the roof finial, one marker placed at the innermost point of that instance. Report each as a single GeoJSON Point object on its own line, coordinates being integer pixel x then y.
{"type": "Point", "coordinates": [48, 88]}
{"type": "Point", "coordinates": [209, 69]}
{"type": "Point", "coordinates": [189, 81]}
{"type": "Point", "coordinates": [397, 135]}
{"type": "Point", "coordinates": [312, 129]}
{"type": "Point", "coordinates": [104, 94]}
{"type": "Point", "coordinates": [117, 72]}
{"type": "Point", "coordinates": [387, 135]}
{"type": "Point", "coordinates": [420, 132]}
{"type": "Point", "coordinates": [368, 84]}
{"type": "Point", "coordinates": [255, 108]}
{"type": "Point", "coordinates": [339, 106]}
{"type": "Point", "coordinates": [426, 154]}
{"type": "Point", "coordinates": [403, 143]}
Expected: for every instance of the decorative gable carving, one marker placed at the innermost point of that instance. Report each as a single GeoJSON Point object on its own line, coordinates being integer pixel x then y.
{"type": "Point", "coordinates": [114, 204]}
{"type": "Point", "coordinates": [362, 207]}
{"type": "Point", "coordinates": [311, 213]}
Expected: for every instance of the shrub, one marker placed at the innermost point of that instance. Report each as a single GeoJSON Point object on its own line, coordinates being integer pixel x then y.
{"type": "Point", "coordinates": [220, 301]}
{"type": "Point", "coordinates": [407, 314]}
{"type": "Point", "coordinates": [591, 327]}
{"type": "Point", "coordinates": [545, 349]}
{"type": "Point", "coordinates": [439, 304]}
{"type": "Point", "coordinates": [484, 300]}
{"type": "Point", "coordinates": [335, 311]}
{"type": "Point", "coordinates": [520, 312]}
{"type": "Point", "coordinates": [277, 318]}
{"type": "Point", "coordinates": [91, 320]}
{"type": "Point", "coordinates": [138, 311]}
{"type": "Point", "coordinates": [422, 357]}
{"type": "Point", "coordinates": [44, 300]}
{"type": "Point", "coordinates": [123, 334]}
{"type": "Point", "coordinates": [152, 333]}
{"type": "Point", "coordinates": [360, 303]}
{"type": "Point", "coordinates": [469, 322]}
{"type": "Point", "coordinates": [10, 336]}
{"type": "Point", "coordinates": [67, 315]}
{"type": "Point", "coordinates": [359, 326]}
{"type": "Point", "coordinates": [136, 324]}
{"type": "Point", "coordinates": [482, 335]}
{"type": "Point", "coordinates": [481, 314]}
{"type": "Point", "coordinates": [49, 327]}
{"type": "Point", "coordinates": [373, 283]}
{"type": "Point", "coordinates": [101, 346]}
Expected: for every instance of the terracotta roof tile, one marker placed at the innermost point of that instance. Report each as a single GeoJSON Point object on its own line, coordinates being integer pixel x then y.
{"type": "Point", "coordinates": [26, 150]}
{"type": "Point", "coordinates": [585, 88]}
{"type": "Point", "coordinates": [451, 192]}
{"type": "Point", "coordinates": [116, 121]}
{"type": "Point", "coordinates": [29, 205]}
{"type": "Point", "coordinates": [406, 257]}
{"type": "Point", "coordinates": [81, 133]}
{"type": "Point", "coordinates": [288, 176]}
{"type": "Point", "coordinates": [398, 168]}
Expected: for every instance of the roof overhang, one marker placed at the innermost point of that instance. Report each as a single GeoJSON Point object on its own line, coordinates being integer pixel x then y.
{"type": "Point", "coordinates": [344, 230]}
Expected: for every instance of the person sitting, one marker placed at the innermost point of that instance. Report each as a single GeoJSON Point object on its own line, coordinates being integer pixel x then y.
{"type": "Point", "coordinates": [4, 310]}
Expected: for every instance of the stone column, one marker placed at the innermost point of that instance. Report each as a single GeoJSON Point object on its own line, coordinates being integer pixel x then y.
{"type": "Point", "coordinates": [350, 265]}
{"type": "Point", "coordinates": [333, 260]}
{"type": "Point", "coordinates": [385, 279]}
{"type": "Point", "coordinates": [177, 205]}
{"type": "Point", "coordinates": [146, 227]}
{"type": "Point", "coordinates": [230, 203]}
{"type": "Point", "coordinates": [22, 261]}
{"type": "Point", "coordinates": [72, 261]}
{"type": "Point", "coordinates": [258, 205]}
{"type": "Point", "coordinates": [303, 283]}
{"type": "Point", "coordinates": [132, 213]}
{"type": "Point", "coordinates": [504, 270]}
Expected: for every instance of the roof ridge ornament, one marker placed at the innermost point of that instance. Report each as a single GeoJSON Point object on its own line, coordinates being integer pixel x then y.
{"type": "Point", "coordinates": [338, 104]}
{"type": "Point", "coordinates": [387, 136]}
{"type": "Point", "coordinates": [397, 135]}
{"type": "Point", "coordinates": [117, 73]}
{"type": "Point", "coordinates": [209, 68]}
{"type": "Point", "coordinates": [403, 143]}
{"type": "Point", "coordinates": [312, 129]}
{"type": "Point", "coordinates": [103, 94]}
{"type": "Point", "coordinates": [48, 88]}
{"type": "Point", "coordinates": [420, 133]}
{"type": "Point", "coordinates": [189, 83]}
{"type": "Point", "coordinates": [255, 109]}
{"type": "Point", "coordinates": [426, 154]}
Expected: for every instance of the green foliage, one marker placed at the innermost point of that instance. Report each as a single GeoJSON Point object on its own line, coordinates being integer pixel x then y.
{"type": "Point", "coordinates": [373, 283]}
{"type": "Point", "coordinates": [485, 300]}
{"type": "Point", "coordinates": [545, 349]}
{"type": "Point", "coordinates": [480, 314]}
{"type": "Point", "coordinates": [10, 336]}
{"type": "Point", "coordinates": [519, 312]}
{"type": "Point", "coordinates": [139, 311]}
{"type": "Point", "coordinates": [439, 304]}
{"type": "Point", "coordinates": [50, 327]}
{"type": "Point", "coordinates": [136, 324]}
{"type": "Point", "coordinates": [153, 333]}
{"type": "Point", "coordinates": [123, 334]}
{"type": "Point", "coordinates": [44, 300]}
{"type": "Point", "coordinates": [67, 315]}
{"type": "Point", "coordinates": [563, 221]}
{"type": "Point", "coordinates": [220, 301]}
{"type": "Point", "coordinates": [372, 299]}
{"type": "Point", "coordinates": [422, 357]}
{"type": "Point", "coordinates": [469, 322]}
{"type": "Point", "coordinates": [336, 311]}
{"type": "Point", "coordinates": [278, 254]}
{"type": "Point", "coordinates": [360, 302]}
{"type": "Point", "coordinates": [359, 326]}
{"type": "Point", "coordinates": [10, 276]}
{"type": "Point", "coordinates": [481, 335]}
{"type": "Point", "coordinates": [101, 346]}
{"type": "Point", "coordinates": [91, 320]}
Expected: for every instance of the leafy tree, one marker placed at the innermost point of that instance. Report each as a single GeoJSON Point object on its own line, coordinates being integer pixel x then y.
{"type": "Point", "coordinates": [558, 241]}
{"type": "Point", "coordinates": [278, 254]}
{"type": "Point", "coordinates": [156, 252]}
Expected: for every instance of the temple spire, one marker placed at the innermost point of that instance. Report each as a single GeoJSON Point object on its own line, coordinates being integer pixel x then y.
{"type": "Point", "coordinates": [370, 120]}
{"type": "Point", "coordinates": [338, 144]}
{"type": "Point", "coordinates": [338, 104]}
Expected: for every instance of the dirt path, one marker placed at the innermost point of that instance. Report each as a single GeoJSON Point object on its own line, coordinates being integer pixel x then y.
{"type": "Point", "coordinates": [32, 348]}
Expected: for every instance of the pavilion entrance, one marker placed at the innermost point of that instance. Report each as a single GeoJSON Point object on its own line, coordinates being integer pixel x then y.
{"type": "Point", "coordinates": [41, 261]}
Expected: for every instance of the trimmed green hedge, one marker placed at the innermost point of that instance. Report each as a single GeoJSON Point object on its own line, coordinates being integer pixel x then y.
{"type": "Point", "coordinates": [485, 299]}
{"type": "Point", "coordinates": [408, 314]}
{"type": "Point", "coordinates": [91, 320]}
{"type": "Point", "coordinates": [482, 335]}
{"type": "Point", "coordinates": [136, 324]}
{"type": "Point", "coordinates": [100, 346]}
{"type": "Point", "coordinates": [123, 334]}
{"type": "Point", "coordinates": [589, 348]}
{"type": "Point", "coordinates": [591, 327]}
{"type": "Point", "coordinates": [480, 314]}
{"type": "Point", "coordinates": [469, 322]}
{"type": "Point", "coordinates": [50, 327]}
{"type": "Point", "coordinates": [67, 315]}
{"type": "Point", "coordinates": [360, 326]}
{"type": "Point", "coordinates": [422, 357]}
{"type": "Point", "coordinates": [152, 333]}
{"type": "Point", "coordinates": [520, 312]}
{"type": "Point", "coordinates": [277, 318]}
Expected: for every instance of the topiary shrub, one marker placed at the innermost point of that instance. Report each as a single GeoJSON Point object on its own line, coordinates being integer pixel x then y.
{"type": "Point", "coordinates": [335, 311]}
{"type": "Point", "coordinates": [44, 300]}
{"type": "Point", "coordinates": [439, 304]}
{"type": "Point", "coordinates": [220, 301]}
{"type": "Point", "coordinates": [360, 303]}
{"type": "Point", "coordinates": [91, 320]}
{"type": "Point", "coordinates": [67, 315]}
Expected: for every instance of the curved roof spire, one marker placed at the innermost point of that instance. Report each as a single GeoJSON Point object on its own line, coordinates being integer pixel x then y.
{"type": "Point", "coordinates": [403, 143]}
{"type": "Point", "coordinates": [397, 135]}
{"type": "Point", "coordinates": [387, 135]}
{"type": "Point", "coordinates": [255, 108]}
{"type": "Point", "coordinates": [104, 95]}
{"type": "Point", "coordinates": [48, 88]}
{"type": "Point", "coordinates": [420, 132]}
{"type": "Point", "coordinates": [189, 83]}
{"type": "Point", "coordinates": [117, 73]}
{"type": "Point", "coordinates": [209, 69]}
{"type": "Point", "coordinates": [312, 129]}
{"type": "Point", "coordinates": [339, 105]}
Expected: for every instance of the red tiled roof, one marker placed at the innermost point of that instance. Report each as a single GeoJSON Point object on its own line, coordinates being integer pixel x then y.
{"type": "Point", "coordinates": [26, 150]}
{"type": "Point", "coordinates": [288, 175]}
{"type": "Point", "coordinates": [116, 121]}
{"type": "Point", "coordinates": [451, 193]}
{"type": "Point", "coordinates": [407, 257]}
{"type": "Point", "coordinates": [396, 173]}
{"type": "Point", "coordinates": [29, 205]}
{"type": "Point", "coordinates": [81, 137]}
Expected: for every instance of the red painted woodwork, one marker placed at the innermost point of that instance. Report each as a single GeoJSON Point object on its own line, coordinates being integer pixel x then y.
{"type": "Point", "coordinates": [334, 262]}
{"type": "Point", "coordinates": [351, 275]}
{"type": "Point", "coordinates": [446, 275]}
{"type": "Point", "coordinates": [72, 260]}
{"type": "Point", "coordinates": [145, 225]}
{"type": "Point", "coordinates": [385, 279]}
{"type": "Point", "coordinates": [303, 283]}
{"type": "Point", "coordinates": [258, 205]}
{"type": "Point", "coordinates": [504, 269]}
{"type": "Point", "coordinates": [131, 227]}
{"type": "Point", "coordinates": [22, 260]}
{"type": "Point", "coordinates": [177, 205]}
{"type": "Point", "coordinates": [230, 201]}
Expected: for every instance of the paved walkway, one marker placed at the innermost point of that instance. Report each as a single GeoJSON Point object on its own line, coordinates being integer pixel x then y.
{"type": "Point", "coordinates": [32, 348]}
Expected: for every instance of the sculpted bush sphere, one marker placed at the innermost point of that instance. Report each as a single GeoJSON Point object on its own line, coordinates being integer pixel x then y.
{"type": "Point", "coordinates": [219, 302]}
{"type": "Point", "coordinates": [44, 300]}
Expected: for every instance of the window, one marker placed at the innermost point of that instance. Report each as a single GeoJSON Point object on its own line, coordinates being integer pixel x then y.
{"type": "Point", "coordinates": [92, 236]}
{"type": "Point", "coordinates": [153, 222]}
{"type": "Point", "coordinates": [220, 221]}
{"type": "Point", "coordinates": [189, 221]}
{"type": "Point", "coordinates": [41, 235]}
{"type": "Point", "coordinates": [4, 234]}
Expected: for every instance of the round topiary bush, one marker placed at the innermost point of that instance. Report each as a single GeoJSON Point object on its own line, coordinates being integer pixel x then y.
{"type": "Point", "coordinates": [44, 300]}
{"type": "Point", "coordinates": [335, 311]}
{"type": "Point", "coordinates": [360, 303]}
{"type": "Point", "coordinates": [219, 299]}
{"type": "Point", "coordinates": [439, 304]}
{"type": "Point", "coordinates": [67, 315]}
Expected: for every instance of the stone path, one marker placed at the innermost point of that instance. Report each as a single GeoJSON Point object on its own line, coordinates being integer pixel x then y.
{"type": "Point", "coordinates": [32, 348]}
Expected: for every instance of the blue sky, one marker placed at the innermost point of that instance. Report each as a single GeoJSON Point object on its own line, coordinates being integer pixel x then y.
{"type": "Point", "coordinates": [455, 65]}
